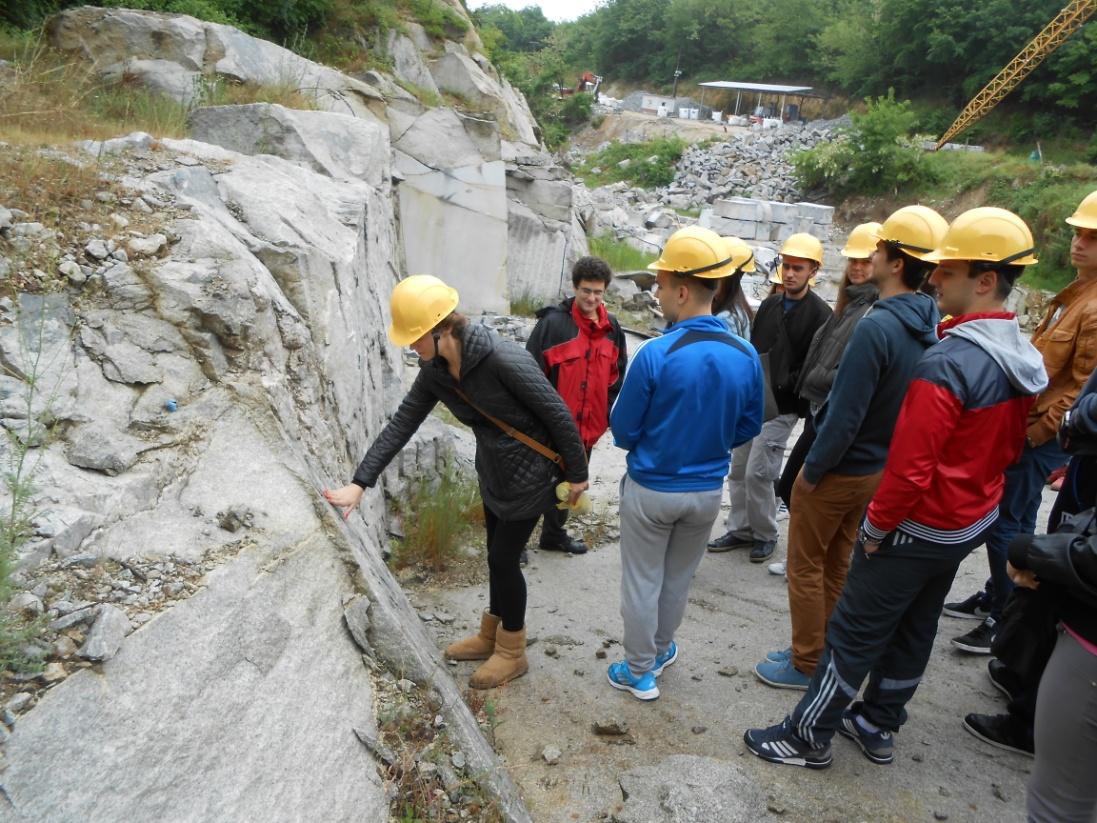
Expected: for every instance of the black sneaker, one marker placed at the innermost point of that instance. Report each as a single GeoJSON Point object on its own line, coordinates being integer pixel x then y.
{"type": "Point", "coordinates": [879, 747]}
{"type": "Point", "coordinates": [778, 744]}
{"type": "Point", "coordinates": [1003, 731]}
{"type": "Point", "coordinates": [978, 640]}
{"type": "Point", "coordinates": [731, 540]}
{"type": "Point", "coordinates": [762, 551]}
{"type": "Point", "coordinates": [974, 608]}
{"type": "Point", "coordinates": [1003, 679]}
{"type": "Point", "coordinates": [568, 545]}
{"type": "Point", "coordinates": [523, 558]}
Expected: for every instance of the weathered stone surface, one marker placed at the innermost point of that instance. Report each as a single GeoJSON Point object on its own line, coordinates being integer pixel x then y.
{"type": "Point", "coordinates": [197, 708]}
{"type": "Point", "coordinates": [107, 633]}
{"type": "Point", "coordinates": [338, 145]}
{"type": "Point", "coordinates": [103, 448]}
{"type": "Point", "coordinates": [408, 63]}
{"type": "Point", "coordinates": [146, 246]}
{"type": "Point", "coordinates": [685, 788]}
{"type": "Point", "coordinates": [174, 54]}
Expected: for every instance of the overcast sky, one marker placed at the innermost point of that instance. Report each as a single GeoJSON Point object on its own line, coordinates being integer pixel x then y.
{"type": "Point", "coordinates": [558, 10]}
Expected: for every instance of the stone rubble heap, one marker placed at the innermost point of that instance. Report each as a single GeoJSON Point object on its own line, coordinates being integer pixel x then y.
{"type": "Point", "coordinates": [757, 164]}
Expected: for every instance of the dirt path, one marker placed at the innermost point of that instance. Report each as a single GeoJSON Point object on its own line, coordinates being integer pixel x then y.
{"type": "Point", "coordinates": [737, 613]}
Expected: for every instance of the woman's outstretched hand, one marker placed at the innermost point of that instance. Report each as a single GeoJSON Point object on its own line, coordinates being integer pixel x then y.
{"type": "Point", "coordinates": [346, 498]}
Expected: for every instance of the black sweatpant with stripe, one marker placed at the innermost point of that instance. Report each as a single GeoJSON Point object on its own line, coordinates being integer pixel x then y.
{"type": "Point", "coordinates": [882, 628]}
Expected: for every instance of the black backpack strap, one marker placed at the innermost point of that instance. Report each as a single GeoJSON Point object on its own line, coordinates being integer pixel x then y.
{"type": "Point", "coordinates": [694, 336]}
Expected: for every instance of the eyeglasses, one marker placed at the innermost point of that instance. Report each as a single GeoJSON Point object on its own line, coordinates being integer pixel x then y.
{"type": "Point", "coordinates": [591, 292]}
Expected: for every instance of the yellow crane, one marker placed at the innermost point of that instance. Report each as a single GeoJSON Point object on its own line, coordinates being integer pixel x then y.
{"type": "Point", "coordinates": [1066, 22]}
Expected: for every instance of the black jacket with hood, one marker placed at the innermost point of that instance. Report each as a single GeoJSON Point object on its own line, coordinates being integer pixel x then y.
{"type": "Point", "coordinates": [501, 378]}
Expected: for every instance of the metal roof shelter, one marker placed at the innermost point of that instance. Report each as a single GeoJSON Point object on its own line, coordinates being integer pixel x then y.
{"type": "Point", "coordinates": [758, 89]}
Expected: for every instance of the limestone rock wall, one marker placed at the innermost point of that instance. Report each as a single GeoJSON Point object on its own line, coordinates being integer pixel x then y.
{"type": "Point", "coordinates": [462, 164]}
{"type": "Point", "coordinates": [206, 390]}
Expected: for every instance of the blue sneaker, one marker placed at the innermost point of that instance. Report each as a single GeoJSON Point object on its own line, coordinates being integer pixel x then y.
{"type": "Point", "coordinates": [878, 746]}
{"type": "Point", "coordinates": [665, 659]}
{"type": "Point", "coordinates": [782, 675]}
{"type": "Point", "coordinates": [781, 656]}
{"type": "Point", "coordinates": [642, 687]}
{"type": "Point", "coordinates": [779, 744]}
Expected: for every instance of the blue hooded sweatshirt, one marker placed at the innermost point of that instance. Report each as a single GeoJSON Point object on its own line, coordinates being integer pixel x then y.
{"type": "Point", "coordinates": [855, 424]}
{"type": "Point", "coordinates": [689, 397]}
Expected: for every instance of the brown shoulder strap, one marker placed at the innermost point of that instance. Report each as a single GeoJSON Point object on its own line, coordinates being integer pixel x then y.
{"type": "Point", "coordinates": [540, 448]}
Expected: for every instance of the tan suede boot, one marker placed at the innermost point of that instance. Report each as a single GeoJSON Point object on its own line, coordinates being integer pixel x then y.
{"type": "Point", "coordinates": [479, 646]}
{"type": "Point", "coordinates": [507, 663]}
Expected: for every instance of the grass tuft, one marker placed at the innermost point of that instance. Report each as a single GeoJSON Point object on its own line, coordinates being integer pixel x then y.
{"type": "Point", "coordinates": [437, 515]}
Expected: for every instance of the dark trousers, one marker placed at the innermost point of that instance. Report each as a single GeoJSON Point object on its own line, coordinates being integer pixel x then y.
{"type": "Point", "coordinates": [795, 462]}
{"type": "Point", "coordinates": [882, 628]}
{"type": "Point", "coordinates": [506, 585]}
{"type": "Point", "coordinates": [1025, 481]}
{"type": "Point", "coordinates": [1077, 494]}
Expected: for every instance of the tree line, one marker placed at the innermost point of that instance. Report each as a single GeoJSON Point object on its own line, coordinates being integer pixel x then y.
{"type": "Point", "coordinates": [940, 50]}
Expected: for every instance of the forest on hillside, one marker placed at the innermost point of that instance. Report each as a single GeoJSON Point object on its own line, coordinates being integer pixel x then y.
{"type": "Point", "coordinates": [941, 51]}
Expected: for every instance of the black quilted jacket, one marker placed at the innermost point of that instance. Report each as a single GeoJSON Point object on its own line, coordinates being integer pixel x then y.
{"type": "Point", "coordinates": [504, 380]}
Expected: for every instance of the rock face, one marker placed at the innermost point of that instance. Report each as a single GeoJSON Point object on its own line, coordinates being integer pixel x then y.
{"type": "Point", "coordinates": [335, 145]}
{"type": "Point", "coordinates": [199, 706]}
{"type": "Point", "coordinates": [463, 214]}
{"type": "Point", "coordinates": [204, 397]}
{"type": "Point", "coordinates": [176, 54]}
{"type": "Point", "coordinates": [453, 206]}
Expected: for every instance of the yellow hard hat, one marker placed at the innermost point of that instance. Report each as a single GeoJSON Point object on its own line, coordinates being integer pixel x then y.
{"type": "Point", "coordinates": [695, 251]}
{"type": "Point", "coordinates": [987, 234]}
{"type": "Point", "coordinates": [861, 242]}
{"type": "Point", "coordinates": [419, 303]}
{"type": "Point", "coordinates": [1085, 216]}
{"type": "Point", "coordinates": [803, 245]}
{"type": "Point", "coordinates": [742, 255]}
{"type": "Point", "coordinates": [916, 230]}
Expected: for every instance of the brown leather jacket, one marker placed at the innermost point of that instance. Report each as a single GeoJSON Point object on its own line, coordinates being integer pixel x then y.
{"type": "Point", "coordinates": [1067, 338]}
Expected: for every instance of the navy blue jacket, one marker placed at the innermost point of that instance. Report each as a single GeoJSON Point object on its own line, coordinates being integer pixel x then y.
{"type": "Point", "coordinates": [688, 399]}
{"type": "Point", "coordinates": [854, 426]}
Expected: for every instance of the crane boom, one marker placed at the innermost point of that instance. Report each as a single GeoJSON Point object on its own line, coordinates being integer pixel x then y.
{"type": "Point", "coordinates": [1066, 22]}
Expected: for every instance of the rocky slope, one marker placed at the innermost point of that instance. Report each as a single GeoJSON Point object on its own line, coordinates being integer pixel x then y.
{"type": "Point", "coordinates": [202, 353]}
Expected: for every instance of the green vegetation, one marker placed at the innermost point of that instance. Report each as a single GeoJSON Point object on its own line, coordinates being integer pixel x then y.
{"type": "Point", "coordinates": [37, 371]}
{"type": "Point", "coordinates": [437, 514]}
{"type": "Point", "coordinates": [875, 154]}
{"type": "Point", "coordinates": [649, 164]}
{"type": "Point", "coordinates": [620, 255]}
{"type": "Point", "coordinates": [526, 304]}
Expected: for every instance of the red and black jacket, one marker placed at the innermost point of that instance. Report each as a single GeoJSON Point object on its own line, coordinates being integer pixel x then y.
{"type": "Point", "coordinates": [584, 359]}
{"type": "Point", "coordinates": [962, 423]}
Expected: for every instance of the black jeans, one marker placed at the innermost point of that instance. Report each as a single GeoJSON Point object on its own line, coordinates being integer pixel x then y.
{"type": "Point", "coordinates": [506, 585]}
{"type": "Point", "coordinates": [795, 461]}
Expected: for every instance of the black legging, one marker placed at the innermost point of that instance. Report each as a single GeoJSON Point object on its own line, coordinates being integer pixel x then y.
{"type": "Point", "coordinates": [506, 585]}
{"type": "Point", "coordinates": [796, 461]}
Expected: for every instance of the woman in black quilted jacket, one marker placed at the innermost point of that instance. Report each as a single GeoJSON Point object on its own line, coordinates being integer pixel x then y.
{"type": "Point", "coordinates": [477, 376]}
{"type": "Point", "coordinates": [1064, 565]}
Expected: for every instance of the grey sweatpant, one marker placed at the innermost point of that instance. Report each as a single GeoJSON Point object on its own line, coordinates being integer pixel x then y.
{"type": "Point", "coordinates": [755, 466]}
{"type": "Point", "coordinates": [663, 538]}
{"type": "Point", "coordinates": [1062, 787]}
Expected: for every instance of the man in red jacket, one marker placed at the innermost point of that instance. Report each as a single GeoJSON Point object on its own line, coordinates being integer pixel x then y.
{"type": "Point", "coordinates": [962, 422]}
{"type": "Point", "coordinates": [582, 349]}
